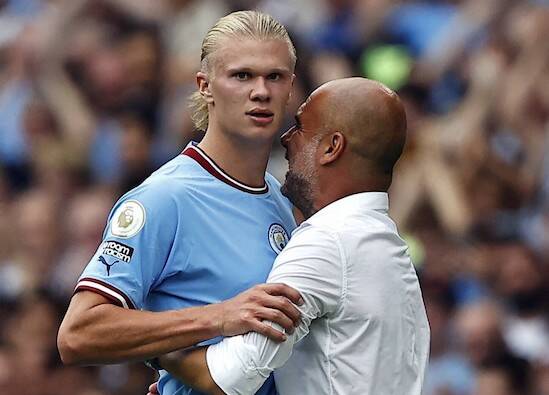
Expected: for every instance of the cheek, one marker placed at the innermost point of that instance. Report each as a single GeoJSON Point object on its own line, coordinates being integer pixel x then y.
{"type": "Point", "coordinates": [227, 94]}
{"type": "Point", "coordinates": [282, 94]}
{"type": "Point", "coordinates": [296, 158]}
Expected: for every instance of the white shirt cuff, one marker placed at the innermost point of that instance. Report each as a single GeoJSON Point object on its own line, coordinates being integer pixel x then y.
{"type": "Point", "coordinates": [231, 366]}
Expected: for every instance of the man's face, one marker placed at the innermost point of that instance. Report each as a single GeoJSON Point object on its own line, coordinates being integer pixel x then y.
{"type": "Point", "coordinates": [250, 87]}
{"type": "Point", "coordinates": [301, 143]}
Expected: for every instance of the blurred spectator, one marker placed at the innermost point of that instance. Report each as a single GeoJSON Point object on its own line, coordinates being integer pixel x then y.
{"type": "Point", "coordinates": [84, 221]}
{"type": "Point", "coordinates": [449, 371]}
{"type": "Point", "coordinates": [523, 285]}
{"type": "Point", "coordinates": [499, 380]}
{"type": "Point", "coordinates": [93, 98]}
{"type": "Point", "coordinates": [479, 327]}
{"type": "Point", "coordinates": [541, 378]}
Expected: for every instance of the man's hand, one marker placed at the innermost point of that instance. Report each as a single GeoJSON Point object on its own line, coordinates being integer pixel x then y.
{"type": "Point", "coordinates": [270, 302]}
{"type": "Point", "coordinates": [242, 314]}
{"type": "Point", "coordinates": [153, 389]}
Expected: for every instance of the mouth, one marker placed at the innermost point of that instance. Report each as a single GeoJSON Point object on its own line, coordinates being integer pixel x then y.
{"type": "Point", "coordinates": [261, 116]}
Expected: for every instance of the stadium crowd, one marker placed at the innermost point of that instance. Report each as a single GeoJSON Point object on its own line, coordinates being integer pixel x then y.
{"type": "Point", "coordinates": [93, 98]}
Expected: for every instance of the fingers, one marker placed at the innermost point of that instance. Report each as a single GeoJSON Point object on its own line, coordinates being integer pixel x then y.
{"type": "Point", "coordinates": [153, 389]}
{"type": "Point", "coordinates": [284, 306]}
{"type": "Point", "coordinates": [269, 331]}
{"type": "Point", "coordinates": [278, 318]}
{"type": "Point", "coordinates": [283, 290]}
{"type": "Point", "coordinates": [270, 302]}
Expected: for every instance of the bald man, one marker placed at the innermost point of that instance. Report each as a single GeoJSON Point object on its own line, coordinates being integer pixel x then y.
{"type": "Point", "coordinates": [363, 326]}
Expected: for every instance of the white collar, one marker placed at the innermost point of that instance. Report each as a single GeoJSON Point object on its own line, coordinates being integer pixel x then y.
{"type": "Point", "coordinates": [357, 202]}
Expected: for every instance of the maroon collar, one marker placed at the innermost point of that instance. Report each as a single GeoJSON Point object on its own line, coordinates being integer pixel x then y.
{"type": "Point", "coordinates": [193, 151]}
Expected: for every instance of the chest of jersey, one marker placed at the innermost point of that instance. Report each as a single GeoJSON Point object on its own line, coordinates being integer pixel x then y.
{"type": "Point", "coordinates": [225, 244]}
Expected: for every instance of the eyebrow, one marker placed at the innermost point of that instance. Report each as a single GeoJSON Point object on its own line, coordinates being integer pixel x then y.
{"type": "Point", "coordinates": [251, 70]}
{"type": "Point", "coordinates": [280, 71]}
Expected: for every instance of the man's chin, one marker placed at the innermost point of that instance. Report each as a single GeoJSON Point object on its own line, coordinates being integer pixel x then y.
{"type": "Point", "coordinates": [298, 191]}
{"type": "Point", "coordinates": [286, 191]}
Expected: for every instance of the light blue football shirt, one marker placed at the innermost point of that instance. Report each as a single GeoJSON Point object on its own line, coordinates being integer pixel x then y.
{"type": "Point", "coordinates": [190, 235]}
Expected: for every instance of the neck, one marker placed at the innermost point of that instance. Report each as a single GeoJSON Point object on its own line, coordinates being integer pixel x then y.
{"type": "Point", "coordinates": [335, 186]}
{"type": "Point", "coordinates": [245, 162]}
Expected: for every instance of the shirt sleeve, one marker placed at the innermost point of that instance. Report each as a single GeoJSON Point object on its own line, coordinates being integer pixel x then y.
{"type": "Point", "coordinates": [313, 264]}
{"type": "Point", "coordinates": [135, 248]}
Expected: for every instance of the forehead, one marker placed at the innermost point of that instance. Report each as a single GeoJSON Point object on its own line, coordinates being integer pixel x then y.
{"type": "Point", "coordinates": [311, 107]}
{"type": "Point", "coordinates": [253, 54]}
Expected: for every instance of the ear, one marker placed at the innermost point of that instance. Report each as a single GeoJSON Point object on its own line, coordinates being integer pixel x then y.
{"type": "Point", "coordinates": [203, 83]}
{"type": "Point", "coordinates": [291, 90]}
{"type": "Point", "coordinates": [332, 146]}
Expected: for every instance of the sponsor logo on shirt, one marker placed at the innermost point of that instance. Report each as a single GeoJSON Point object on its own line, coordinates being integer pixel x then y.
{"type": "Point", "coordinates": [128, 219]}
{"type": "Point", "coordinates": [107, 264]}
{"type": "Point", "coordinates": [278, 237]}
{"type": "Point", "coordinates": [117, 250]}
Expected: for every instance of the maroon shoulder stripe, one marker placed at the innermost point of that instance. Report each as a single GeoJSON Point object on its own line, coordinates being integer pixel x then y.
{"type": "Point", "coordinates": [105, 289]}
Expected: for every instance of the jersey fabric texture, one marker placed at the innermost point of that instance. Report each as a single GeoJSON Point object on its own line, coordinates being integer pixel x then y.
{"type": "Point", "coordinates": [190, 235]}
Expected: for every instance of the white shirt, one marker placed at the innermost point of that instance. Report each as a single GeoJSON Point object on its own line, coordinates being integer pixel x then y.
{"type": "Point", "coordinates": [363, 328]}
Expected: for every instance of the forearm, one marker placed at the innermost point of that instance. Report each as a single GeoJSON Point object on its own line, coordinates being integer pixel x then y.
{"type": "Point", "coordinates": [51, 80]}
{"type": "Point", "coordinates": [236, 365]}
{"type": "Point", "coordinates": [106, 333]}
{"type": "Point", "coordinates": [57, 28]}
{"type": "Point", "coordinates": [191, 368]}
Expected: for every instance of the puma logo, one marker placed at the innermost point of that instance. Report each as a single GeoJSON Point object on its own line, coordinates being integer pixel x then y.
{"type": "Point", "coordinates": [104, 262]}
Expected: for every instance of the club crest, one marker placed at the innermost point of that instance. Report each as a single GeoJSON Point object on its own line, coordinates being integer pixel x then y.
{"type": "Point", "coordinates": [278, 237]}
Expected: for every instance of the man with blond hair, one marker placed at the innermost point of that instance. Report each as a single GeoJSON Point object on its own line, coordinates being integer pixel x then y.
{"type": "Point", "coordinates": [204, 227]}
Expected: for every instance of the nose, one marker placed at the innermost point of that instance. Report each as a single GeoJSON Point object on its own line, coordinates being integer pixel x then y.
{"type": "Point", "coordinates": [260, 91]}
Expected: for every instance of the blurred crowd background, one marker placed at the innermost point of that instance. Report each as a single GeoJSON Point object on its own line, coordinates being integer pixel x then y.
{"type": "Point", "coordinates": [93, 97]}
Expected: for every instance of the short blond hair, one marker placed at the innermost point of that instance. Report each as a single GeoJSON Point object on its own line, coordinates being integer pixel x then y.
{"type": "Point", "coordinates": [248, 24]}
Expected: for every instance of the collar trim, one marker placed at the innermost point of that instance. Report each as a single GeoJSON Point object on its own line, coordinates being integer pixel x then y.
{"type": "Point", "coordinates": [193, 151]}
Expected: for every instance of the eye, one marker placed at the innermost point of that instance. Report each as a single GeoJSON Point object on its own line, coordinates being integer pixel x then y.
{"type": "Point", "coordinates": [241, 75]}
{"type": "Point", "coordinates": [274, 77]}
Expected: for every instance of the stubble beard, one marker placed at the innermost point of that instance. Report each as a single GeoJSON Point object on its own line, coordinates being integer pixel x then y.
{"type": "Point", "coordinates": [298, 187]}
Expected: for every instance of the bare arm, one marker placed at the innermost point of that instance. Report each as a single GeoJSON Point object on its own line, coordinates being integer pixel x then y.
{"type": "Point", "coordinates": [95, 331]}
{"type": "Point", "coordinates": [68, 104]}
{"type": "Point", "coordinates": [191, 368]}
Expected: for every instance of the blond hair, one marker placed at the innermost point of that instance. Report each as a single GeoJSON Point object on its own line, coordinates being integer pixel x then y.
{"type": "Point", "coordinates": [248, 24]}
